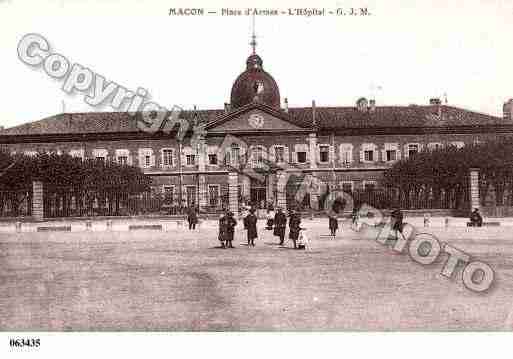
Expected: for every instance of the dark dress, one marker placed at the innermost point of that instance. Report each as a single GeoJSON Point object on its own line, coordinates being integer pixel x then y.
{"type": "Point", "coordinates": [333, 223]}
{"type": "Point", "coordinates": [294, 227]}
{"type": "Point", "coordinates": [280, 222]}
{"type": "Point", "coordinates": [230, 228]}
{"type": "Point", "coordinates": [251, 221]}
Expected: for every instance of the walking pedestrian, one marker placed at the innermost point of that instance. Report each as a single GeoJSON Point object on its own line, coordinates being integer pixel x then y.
{"type": "Point", "coordinates": [294, 226]}
{"type": "Point", "coordinates": [397, 222]}
{"type": "Point", "coordinates": [355, 218]}
{"type": "Point", "coordinates": [333, 224]}
{"type": "Point", "coordinates": [250, 224]}
{"type": "Point", "coordinates": [230, 224]}
{"type": "Point", "coordinates": [280, 222]}
{"type": "Point", "coordinates": [192, 217]}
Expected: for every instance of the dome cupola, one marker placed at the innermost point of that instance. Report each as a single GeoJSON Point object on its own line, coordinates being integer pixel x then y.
{"type": "Point", "coordinates": [254, 85]}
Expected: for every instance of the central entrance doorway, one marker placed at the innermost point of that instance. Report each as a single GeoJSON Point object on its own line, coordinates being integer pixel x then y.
{"type": "Point", "coordinates": [258, 194]}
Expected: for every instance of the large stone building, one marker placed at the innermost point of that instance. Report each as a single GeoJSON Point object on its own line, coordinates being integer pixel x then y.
{"type": "Point", "coordinates": [348, 146]}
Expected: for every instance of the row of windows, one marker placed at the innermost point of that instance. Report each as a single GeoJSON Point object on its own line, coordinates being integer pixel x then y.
{"type": "Point", "coordinates": [369, 152]}
{"type": "Point", "coordinates": [214, 191]}
{"type": "Point", "coordinates": [191, 192]}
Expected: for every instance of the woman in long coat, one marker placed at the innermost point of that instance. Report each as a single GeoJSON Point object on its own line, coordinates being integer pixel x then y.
{"type": "Point", "coordinates": [230, 229]}
{"type": "Point", "coordinates": [250, 222]}
{"type": "Point", "coordinates": [294, 227]}
{"type": "Point", "coordinates": [280, 222]}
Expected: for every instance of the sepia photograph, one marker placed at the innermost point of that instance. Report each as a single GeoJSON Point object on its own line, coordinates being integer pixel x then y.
{"type": "Point", "coordinates": [268, 168]}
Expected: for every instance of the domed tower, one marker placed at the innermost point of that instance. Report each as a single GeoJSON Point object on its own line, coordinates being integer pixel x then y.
{"type": "Point", "coordinates": [254, 84]}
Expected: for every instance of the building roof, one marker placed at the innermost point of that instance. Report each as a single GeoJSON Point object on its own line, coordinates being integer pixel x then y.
{"type": "Point", "coordinates": [327, 118]}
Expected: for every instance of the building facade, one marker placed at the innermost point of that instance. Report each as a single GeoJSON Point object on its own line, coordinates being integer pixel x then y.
{"type": "Point", "coordinates": [255, 146]}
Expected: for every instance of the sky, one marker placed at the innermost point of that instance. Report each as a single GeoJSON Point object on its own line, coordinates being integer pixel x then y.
{"type": "Point", "coordinates": [403, 53]}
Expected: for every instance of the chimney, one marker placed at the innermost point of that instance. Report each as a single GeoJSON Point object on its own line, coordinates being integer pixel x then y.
{"type": "Point", "coordinates": [372, 105]}
{"type": "Point", "coordinates": [314, 120]}
{"type": "Point", "coordinates": [438, 103]}
{"type": "Point", "coordinates": [507, 110]}
{"type": "Point", "coordinates": [286, 105]}
{"type": "Point", "coordinates": [226, 107]}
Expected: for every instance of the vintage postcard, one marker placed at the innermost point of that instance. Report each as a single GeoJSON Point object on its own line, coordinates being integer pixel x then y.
{"type": "Point", "coordinates": [224, 166]}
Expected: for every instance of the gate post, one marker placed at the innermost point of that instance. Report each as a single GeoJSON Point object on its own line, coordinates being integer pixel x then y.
{"type": "Point", "coordinates": [233, 192]}
{"type": "Point", "coordinates": [474, 188]}
{"type": "Point", "coordinates": [281, 187]}
{"type": "Point", "coordinates": [37, 200]}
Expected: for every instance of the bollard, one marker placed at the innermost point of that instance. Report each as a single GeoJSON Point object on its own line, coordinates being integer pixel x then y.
{"type": "Point", "coordinates": [427, 220]}
{"type": "Point", "coordinates": [17, 225]}
{"type": "Point", "coordinates": [109, 225]}
{"type": "Point", "coordinates": [89, 225]}
{"type": "Point", "coordinates": [446, 222]}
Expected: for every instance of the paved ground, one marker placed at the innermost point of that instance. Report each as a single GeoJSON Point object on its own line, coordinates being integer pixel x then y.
{"type": "Point", "coordinates": [179, 280]}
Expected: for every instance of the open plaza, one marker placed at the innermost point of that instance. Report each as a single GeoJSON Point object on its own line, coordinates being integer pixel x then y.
{"type": "Point", "coordinates": [169, 278]}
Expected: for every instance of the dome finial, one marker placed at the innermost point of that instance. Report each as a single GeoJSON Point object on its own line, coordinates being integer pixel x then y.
{"type": "Point", "coordinates": [253, 42]}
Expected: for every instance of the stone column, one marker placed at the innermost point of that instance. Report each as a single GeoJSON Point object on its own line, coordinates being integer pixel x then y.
{"type": "Point", "coordinates": [312, 144]}
{"type": "Point", "coordinates": [281, 183]}
{"type": "Point", "coordinates": [474, 188]}
{"type": "Point", "coordinates": [233, 192]}
{"type": "Point", "coordinates": [202, 190]}
{"type": "Point", "coordinates": [269, 189]}
{"type": "Point", "coordinates": [37, 200]}
{"type": "Point", "coordinates": [246, 186]}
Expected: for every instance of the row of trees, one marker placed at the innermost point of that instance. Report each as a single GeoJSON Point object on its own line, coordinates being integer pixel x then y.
{"type": "Point", "coordinates": [68, 182]}
{"type": "Point", "coordinates": [18, 171]}
{"type": "Point", "coordinates": [446, 170]}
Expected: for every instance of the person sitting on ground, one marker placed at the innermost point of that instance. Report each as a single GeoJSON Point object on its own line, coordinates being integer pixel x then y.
{"type": "Point", "coordinates": [476, 220]}
{"type": "Point", "coordinates": [280, 222]}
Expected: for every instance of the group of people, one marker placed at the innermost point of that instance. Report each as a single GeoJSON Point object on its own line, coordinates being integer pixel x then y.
{"type": "Point", "coordinates": [275, 221]}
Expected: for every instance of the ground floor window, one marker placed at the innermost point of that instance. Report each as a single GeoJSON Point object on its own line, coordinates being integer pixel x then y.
{"type": "Point", "coordinates": [213, 195]}
{"type": "Point", "coordinates": [369, 186]}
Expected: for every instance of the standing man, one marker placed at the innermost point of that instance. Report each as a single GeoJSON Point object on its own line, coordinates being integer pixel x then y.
{"type": "Point", "coordinates": [230, 224]}
{"type": "Point", "coordinates": [251, 221]}
{"type": "Point", "coordinates": [333, 224]}
{"type": "Point", "coordinates": [192, 217]}
{"type": "Point", "coordinates": [294, 226]}
{"type": "Point", "coordinates": [280, 222]}
{"type": "Point", "coordinates": [397, 222]}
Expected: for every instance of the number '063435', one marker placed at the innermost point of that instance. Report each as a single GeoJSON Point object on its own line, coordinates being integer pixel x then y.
{"type": "Point", "coordinates": [24, 342]}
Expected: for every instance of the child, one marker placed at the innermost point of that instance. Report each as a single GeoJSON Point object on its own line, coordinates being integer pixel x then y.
{"type": "Point", "coordinates": [270, 219]}
{"type": "Point", "coordinates": [302, 241]}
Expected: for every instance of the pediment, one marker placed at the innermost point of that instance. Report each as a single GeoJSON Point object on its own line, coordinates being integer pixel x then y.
{"type": "Point", "coordinates": [256, 118]}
